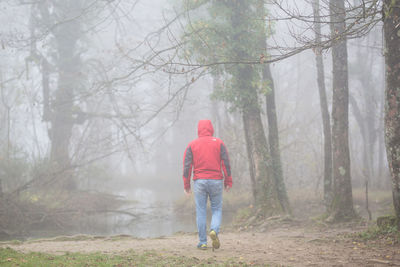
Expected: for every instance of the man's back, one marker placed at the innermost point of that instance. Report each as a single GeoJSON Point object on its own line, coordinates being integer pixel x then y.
{"type": "Point", "coordinates": [206, 155]}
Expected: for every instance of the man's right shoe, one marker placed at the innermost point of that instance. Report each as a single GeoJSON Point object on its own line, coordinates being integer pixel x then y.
{"type": "Point", "coordinates": [215, 239]}
{"type": "Point", "coordinates": [202, 246]}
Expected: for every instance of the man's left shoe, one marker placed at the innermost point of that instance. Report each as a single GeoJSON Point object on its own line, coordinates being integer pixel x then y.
{"type": "Point", "coordinates": [215, 239]}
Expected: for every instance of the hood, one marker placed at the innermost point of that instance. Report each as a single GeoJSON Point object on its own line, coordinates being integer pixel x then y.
{"type": "Point", "coordinates": [205, 128]}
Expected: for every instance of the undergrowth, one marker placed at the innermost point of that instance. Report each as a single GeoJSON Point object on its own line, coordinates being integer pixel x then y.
{"type": "Point", "coordinates": [386, 231]}
{"type": "Point", "coordinates": [390, 234]}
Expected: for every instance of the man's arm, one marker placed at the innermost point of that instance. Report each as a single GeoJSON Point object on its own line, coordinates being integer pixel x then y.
{"type": "Point", "coordinates": [226, 167]}
{"type": "Point", "coordinates": [187, 168]}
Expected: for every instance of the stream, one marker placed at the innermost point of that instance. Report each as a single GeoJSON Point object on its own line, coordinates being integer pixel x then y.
{"type": "Point", "coordinates": [148, 213]}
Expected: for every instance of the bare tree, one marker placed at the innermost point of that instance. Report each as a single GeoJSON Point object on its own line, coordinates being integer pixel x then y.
{"type": "Point", "coordinates": [342, 199]}
{"type": "Point", "coordinates": [273, 131]}
{"type": "Point", "coordinates": [324, 109]}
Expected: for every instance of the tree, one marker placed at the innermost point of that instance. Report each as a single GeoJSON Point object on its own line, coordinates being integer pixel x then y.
{"type": "Point", "coordinates": [326, 122]}
{"type": "Point", "coordinates": [391, 20]}
{"type": "Point", "coordinates": [273, 131]}
{"type": "Point", "coordinates": [61, 19]}
{"type": "Point", "coordinates": [342, 199]}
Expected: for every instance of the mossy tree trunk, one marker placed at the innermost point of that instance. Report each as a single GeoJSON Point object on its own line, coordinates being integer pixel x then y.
{"type": "Point", "coordinates": [342, 199]}
{"type": "Point", "coordinates": [391, 21]}
{"type": "Point", "coordinates": [265, 187]}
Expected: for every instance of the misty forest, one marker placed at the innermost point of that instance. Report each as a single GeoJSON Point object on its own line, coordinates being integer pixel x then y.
{"type": "Point", "coordinates": [100, 98]}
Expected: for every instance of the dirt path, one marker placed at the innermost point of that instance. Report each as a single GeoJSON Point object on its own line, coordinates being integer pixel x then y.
{"type": "Point", "coordinates": [284, 246]}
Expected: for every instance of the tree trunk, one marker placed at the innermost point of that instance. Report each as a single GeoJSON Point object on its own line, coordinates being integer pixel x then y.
{"type": "Point", "coordinates": [67, 61]}
{"type": "Point", "coordinates": [273, 137]}
{"type": "Point", "coordinates": [265, 189]}
{"type": "Point", "coordinates": [381, 146]}
{"type": "Point", "coordinates": [342, 199]}
{"type": "Point", "coordinates": [391, 21]}
{"type": "Point", "coordinates": [324, 110]}
{"type": "Point", "coordinates": [250, 157]}
{"type": "Point", "coordinates": [263, 185]}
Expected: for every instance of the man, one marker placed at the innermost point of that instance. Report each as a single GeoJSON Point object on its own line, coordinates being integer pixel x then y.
{"type": "Point", "coordinates": [207, 157]}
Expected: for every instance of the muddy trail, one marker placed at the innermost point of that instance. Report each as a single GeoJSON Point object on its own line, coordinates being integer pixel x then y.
{"type": "Point", "coordinates": [281, 246]}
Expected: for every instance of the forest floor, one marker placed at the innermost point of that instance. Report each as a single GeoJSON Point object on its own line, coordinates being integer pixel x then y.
{"type": "Point", "coordinates": [287, 245]}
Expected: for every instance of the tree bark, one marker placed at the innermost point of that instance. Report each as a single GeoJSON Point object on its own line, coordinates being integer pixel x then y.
{"type": "Point", "coordinates": [326, 122]}
{"type": "Point", "coordinates": [391, 21]}
{"type": "Point", "coordinates": [342, 199]}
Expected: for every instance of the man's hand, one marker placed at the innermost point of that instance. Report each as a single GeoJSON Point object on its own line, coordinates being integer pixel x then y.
{"type": "Point", "coordinates": [187, 192]}
{"type": "Point", "coordinates": [227, 188]}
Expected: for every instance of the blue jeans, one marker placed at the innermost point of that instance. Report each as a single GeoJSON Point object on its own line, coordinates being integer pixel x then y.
{"type": "Point", "coordinates": [204, 188]}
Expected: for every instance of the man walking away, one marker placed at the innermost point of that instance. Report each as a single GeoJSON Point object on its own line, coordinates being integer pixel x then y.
{"type": "Point", "coordinates": [208, 157]}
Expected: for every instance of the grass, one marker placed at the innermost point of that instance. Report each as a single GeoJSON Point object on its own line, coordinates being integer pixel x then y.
{"type": "Point", "coordinates": [10, 257]}
{"type": "Point", "coordinates": [12, 242]}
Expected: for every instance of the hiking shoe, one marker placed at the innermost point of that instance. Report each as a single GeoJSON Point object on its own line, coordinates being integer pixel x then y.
{"type": "Point", "coordinates": [202, 246]}
{"type": "Point", "coordinates": [215, 239]}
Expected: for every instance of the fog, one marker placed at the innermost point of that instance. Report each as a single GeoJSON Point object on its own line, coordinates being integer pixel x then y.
{"type": "Point", "coordinates": [99, 101]}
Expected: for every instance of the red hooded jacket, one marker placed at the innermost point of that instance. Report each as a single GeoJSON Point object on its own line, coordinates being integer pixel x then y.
{"type": "Point", "coordinates": [206, 156]}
